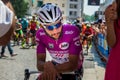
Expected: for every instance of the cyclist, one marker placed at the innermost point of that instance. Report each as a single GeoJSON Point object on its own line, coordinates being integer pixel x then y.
{"type": "Point", "coordinates": [19, 33]}
{"type": "Point", "coordinates": [61, 41]}
{"type": "Point", "coordinates": [24, 23]}
{"type": "Point", "coordinates": [87, 34]}
{"type": "Point", "coordinates": [32, 29]}
{"type": "Point", "coordinates": [77, 24]}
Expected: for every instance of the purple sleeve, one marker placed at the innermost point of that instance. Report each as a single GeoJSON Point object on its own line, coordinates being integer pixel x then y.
{"type": "Point", "coordinates": [40, 45]}
{"type": "Point", "coordinates": [75, 45]}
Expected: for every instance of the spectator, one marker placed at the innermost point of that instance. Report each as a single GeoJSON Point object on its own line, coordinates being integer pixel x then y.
{"type": "Point", "coordinates": [112, 17]}
{"type": "Point", "coordinates": [10, 50]}
{"type": "Point", "coordinates": [5, 38]}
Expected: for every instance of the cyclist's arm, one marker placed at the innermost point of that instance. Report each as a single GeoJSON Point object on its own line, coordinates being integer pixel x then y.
{"type": "Point", "coordinates": [40, 61]}
{"type": "Point", "coordinates": [40, 52]}
{"type": "Point", "coordinates": [91, 31]}
{"type": "Point", "coordinates": [28, 28]}
{"type": "Point", "coordinates": [20, 28]}
{"type": "Point", "coordinates": [29, 24]}
{"type": "Point", "coordinates": [38, 25]}
{"type": "Point", "coordinates": [90, 35]}
{"type": "Point", "coordinates": [65, 67]}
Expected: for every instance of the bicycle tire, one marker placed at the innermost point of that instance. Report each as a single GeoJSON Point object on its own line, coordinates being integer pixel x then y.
{"type": "Point", "coordinates": [87, 47]}
{"type": "Point", "coordinates": [26, 74]}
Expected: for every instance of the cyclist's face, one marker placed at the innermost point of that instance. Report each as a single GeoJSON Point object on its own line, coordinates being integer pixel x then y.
{"type": "Point", "coordinates": [54, 30]}
{"type": "Point", "coordinates": [33, 18]}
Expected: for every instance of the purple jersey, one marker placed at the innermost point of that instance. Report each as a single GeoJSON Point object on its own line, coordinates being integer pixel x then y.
{"type": "Point", "coordinates": [68, 43]}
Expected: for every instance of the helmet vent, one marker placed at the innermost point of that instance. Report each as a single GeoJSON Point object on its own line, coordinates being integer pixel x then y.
{"type": "Point", "coordinates": [55, 11]}
{"type": "Point", "coordinates": [50, 13]}
{"type": "Point", "coordinates": [44, 14]}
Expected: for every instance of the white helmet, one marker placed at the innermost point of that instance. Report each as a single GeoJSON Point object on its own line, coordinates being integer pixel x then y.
{"type": "Point", "coordinates": [49, 13]}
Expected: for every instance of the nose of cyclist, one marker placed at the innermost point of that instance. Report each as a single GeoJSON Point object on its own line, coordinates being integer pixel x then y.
{"type": "Point", "coordinates": [55, 33]}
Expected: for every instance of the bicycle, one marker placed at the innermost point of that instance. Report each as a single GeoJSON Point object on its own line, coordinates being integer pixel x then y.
{"type": "Point", "coordinates": [88, 43]}
{"type": "Point", "coordinates": [77, 75]}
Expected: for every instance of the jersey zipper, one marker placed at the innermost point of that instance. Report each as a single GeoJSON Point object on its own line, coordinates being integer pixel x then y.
{"type": "Point", "coordinates": [56, 41]}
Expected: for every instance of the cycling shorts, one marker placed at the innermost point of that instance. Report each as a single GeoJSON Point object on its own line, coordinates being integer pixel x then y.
{"type": "Point", "coordinates": [33, 32]}
{"type": "Point", "coordinates": [20, 32]}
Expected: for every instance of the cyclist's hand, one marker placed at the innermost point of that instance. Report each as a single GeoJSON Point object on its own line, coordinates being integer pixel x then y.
{"type": "Point", "coordinates": [28, 30]}
{"type": "Point", "coordinates": [89, 36]}
{"type": "Point", "coordinates": [83, 35]}
{"type": "Point", "coordinates": [49, 73]}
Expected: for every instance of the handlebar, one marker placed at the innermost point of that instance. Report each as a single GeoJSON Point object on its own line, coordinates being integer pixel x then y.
{"type": "Point", "coordinates": [27, 74]}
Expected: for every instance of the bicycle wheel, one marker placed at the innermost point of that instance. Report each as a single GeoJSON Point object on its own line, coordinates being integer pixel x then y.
{"type": "Point", "coordinates": [26, 74]}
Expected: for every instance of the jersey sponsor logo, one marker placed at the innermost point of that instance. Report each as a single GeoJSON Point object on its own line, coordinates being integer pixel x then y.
{"type": "Point", "coordinates": [58, 52]}
{"type": "Point", "coordinates": [64, 45]}
{"type": "Point", "coordinates": [42, 33]}
{"type": "Point", "coordinates": [60, 58]}
{"type": "Point", "coordinates": [51, 45]}
{"type": "Point", "coordinates": [77, 43]}
{"type": "Point", "coordinates": [76, 38]}
{"type": "Point", "coordinates": [68, 32]}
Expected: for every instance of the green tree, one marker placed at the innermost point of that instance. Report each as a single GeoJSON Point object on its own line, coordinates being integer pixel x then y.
{"type": "Point", "coordinates": [92, 17]}
{"type": "Point", "coordinates": [88, 17]}
{"type": "Point", "coordinates": [20, 7]}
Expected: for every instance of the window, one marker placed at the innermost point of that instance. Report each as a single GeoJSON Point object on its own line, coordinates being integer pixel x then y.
{"type": "Point", "coordinates": [72, 13]}
{"type": "Point", "coordinates": [73, 6]}
{"type": "Point", "coordinates": [56, 4]}
{"type": "Point", "coordinates": [75, 13]}
{"type": "Point", "coordinates": [62, 12]}
{"type": "Point", "coordinates": [63, 5]}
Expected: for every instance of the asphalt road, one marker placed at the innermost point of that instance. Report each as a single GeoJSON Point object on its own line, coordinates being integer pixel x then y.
{"type": "Point", "coordinates": [12, 68]}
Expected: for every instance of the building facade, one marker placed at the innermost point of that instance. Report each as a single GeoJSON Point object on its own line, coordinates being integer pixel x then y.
{"type": "Point", "coordinates": [33, 5]}
{"type": "Point", "coordinates": [103, 7]}
{"type": "Point", "coordinates": [71, 9]}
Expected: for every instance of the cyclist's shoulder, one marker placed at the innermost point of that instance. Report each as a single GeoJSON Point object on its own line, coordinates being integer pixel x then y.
{"type": "Point", "coordinates": [33, 21]}
{"type": "Point", "coordinates": [40, 32]}
{"type": "Point", "coordinates": [69, 27]}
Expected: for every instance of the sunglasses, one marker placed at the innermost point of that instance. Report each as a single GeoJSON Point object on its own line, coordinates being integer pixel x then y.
{"type": "Point", "coordinates": [53, 26]}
